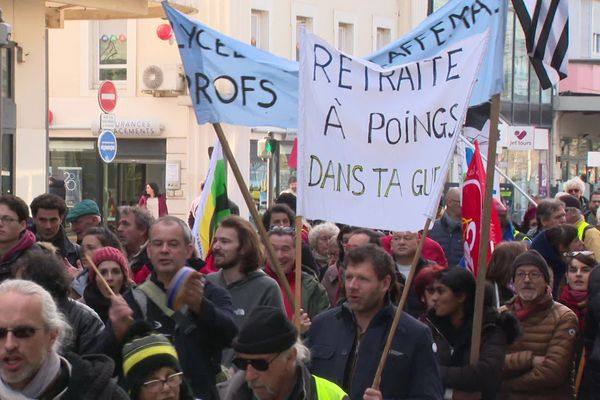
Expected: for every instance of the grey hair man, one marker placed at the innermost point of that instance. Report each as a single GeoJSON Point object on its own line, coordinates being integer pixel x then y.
{"type": "Point", "coordinates": [271, 362]}
{"type": "Point", "coordinates": [549, 213]}
{"type": "Point", "coordinates": [32, 331]}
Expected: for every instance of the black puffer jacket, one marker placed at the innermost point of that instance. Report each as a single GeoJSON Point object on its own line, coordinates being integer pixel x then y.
{"type": "Point", "coordinates": [454, 349]}
{"type": "Point", "coordinates": [85, 323]}
{"type": "Point", "coordinates": [590, 384]}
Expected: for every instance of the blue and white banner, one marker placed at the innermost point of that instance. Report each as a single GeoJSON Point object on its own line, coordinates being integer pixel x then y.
{"type": "Point", "coordinates": [455, 21]}
{"type": "Point", "coordinates": [233, 82]}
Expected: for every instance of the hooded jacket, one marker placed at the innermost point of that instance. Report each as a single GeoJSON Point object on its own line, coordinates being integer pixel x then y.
{"type": "Point", "coordinates": [255, 289]}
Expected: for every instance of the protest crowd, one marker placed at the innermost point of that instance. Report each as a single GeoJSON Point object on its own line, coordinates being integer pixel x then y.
{"type": "Point", "coordinates": [294, 304]}
{"type": "Point", "coordinates": [136, 314]}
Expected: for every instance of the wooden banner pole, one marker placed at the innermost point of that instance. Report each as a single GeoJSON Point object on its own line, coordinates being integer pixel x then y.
{"type": "Point", "coordinates": [409, 279]}
{"type": "Point", "coordinates": [253, 212]}
{"type": "Point", "coordinates": [485, 231]}
{"type": "Point", "coordinates": [298, 273]}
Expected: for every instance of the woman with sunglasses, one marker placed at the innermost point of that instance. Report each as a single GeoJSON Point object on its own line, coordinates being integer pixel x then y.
{"type": "Point", "coordinates": [451, 320]}
{"type": "Point", "coordinates": [151, 366]}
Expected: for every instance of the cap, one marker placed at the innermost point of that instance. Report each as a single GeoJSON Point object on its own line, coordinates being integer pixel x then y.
{"type": "Point", "coordinates": [85, 207]}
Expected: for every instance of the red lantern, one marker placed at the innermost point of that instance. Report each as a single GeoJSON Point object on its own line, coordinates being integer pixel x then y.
{"type": "Point", "coordinates": [164, 31]}
{"type": "Point", "coordinates": [50, 117]}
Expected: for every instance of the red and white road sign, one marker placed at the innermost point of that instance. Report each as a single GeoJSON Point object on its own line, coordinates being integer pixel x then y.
{"type": "Point", "coordinates": [107, 96]}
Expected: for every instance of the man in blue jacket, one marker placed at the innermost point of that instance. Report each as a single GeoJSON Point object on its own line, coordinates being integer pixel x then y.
{"type": "Point", "coordinates": [347, 341]}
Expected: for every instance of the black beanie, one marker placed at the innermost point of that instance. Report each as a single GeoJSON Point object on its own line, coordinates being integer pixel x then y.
{"type": "Point", "coordinates": [532, 257]}
{"type": "Point", "coordinates": [266, 330]}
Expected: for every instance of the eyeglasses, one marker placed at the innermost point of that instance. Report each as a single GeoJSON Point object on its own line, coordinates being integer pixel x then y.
{"type": "Point", "coordinates": [20, 332]}
{"type": "Point", "coordinates": [533, 275]}
{"type": "Point", "coordinates": [172, 381]}
{"type": "Point", "coordinates": [259, 364]}
{"type": "Point", "coordinates": [573, 191]}
{"type": "Point", "coordinates": [5, 219]}
{"type": "Point", "coordinates": [577, 253]}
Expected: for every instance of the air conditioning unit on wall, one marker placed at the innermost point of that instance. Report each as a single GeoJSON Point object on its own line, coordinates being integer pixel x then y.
{"type": "Point", "coordinates": [163, 79]}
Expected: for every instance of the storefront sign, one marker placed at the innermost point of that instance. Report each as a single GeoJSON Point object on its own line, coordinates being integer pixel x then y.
{"type": "Point", "coordinates": [520, 138]}
{"type": "Point", "coordinates": [133, 128]}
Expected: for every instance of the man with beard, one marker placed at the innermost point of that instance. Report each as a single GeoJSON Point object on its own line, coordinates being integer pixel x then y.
{"type": "Point", "coordinates": [48, 212]}
{"type": "Point", "coordinates": [539, 364]}
{"type": "Point", "coordinates": [237, 253]}
{"type": "Point", "coordinates": [346, 342]}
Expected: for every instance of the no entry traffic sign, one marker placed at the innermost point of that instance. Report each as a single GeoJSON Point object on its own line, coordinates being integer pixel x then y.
{"type": "Point", "coordinates": [107, 146]}
{"type": "Point", "coordinates": [107, 96]}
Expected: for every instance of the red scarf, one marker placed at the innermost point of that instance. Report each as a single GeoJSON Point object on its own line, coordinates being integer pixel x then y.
{"type": "Point", "coordinates": [577, 301]}
{"type": "Point", "coordinates": [291, 278]}
{"type": "Point", "coordinates": [544, 302]}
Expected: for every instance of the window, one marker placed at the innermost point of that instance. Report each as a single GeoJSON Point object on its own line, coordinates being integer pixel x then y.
{"type": "Point", "coordinates": [346, 37]}
{"type": "Point", "coordinates": [596, 43]}
{"type": "Point", "coordinates": [112, 50]}
{"type": "Point", "coordinates": [384, 37]}
{"type": "Point", "coordinates": [305, 22]}
{"type": "Point", "coordinates": [259, 27]}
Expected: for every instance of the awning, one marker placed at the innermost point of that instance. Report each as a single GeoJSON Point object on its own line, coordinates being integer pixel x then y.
{"type": "Point", "coordinates": [58, 11]}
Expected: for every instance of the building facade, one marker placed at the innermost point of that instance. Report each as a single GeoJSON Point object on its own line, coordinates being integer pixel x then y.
{"type": "Point", "coordinates": [159, 139]}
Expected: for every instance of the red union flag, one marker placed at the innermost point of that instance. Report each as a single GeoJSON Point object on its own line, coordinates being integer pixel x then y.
{"type": "Point", "coordinates": [472, 213]}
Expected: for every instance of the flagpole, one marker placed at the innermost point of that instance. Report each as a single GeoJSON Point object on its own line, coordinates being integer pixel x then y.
{"type": "Point", "coordinates": [392, 332]}
{"type": "Point", "coordinates": [298, 272]}
{"type": "Point", "coordinates": [484, 242]}
{"type": "Point", "coordinates": [254, 212]}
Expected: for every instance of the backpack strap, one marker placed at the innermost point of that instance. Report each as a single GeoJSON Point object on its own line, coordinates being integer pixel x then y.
{"type": "Point", "coordinates": [159, 298]}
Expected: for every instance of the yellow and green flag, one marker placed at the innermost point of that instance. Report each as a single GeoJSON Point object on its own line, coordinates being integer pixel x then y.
{"type": "Point", "coordinates": [213, 205]}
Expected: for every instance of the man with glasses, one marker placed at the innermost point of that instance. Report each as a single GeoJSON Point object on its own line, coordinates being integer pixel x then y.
{"type": "Point", "coordinates": [32, 331]}
{"type": "Point", "coordinates": [539, 364]}
{"type": "Point", "coordinates": [15, 239]}
{"type": "Point", "coordinates": [588, 234]}
{"type": "Point", "coordinates": [271, 362]}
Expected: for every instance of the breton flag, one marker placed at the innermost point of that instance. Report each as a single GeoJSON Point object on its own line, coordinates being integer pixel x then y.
{"type": "Point", "coordinates": [214, 205]}
{"type": "Point", "coordinates": [546, 27]}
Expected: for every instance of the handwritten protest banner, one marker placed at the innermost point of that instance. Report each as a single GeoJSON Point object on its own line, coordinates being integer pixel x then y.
{"type": "Point", "coordinates": [455, 21]}
{"type": "Point", "coordinates": [375, 144]}
{"type": "Point", "coordinates": [233, 82]}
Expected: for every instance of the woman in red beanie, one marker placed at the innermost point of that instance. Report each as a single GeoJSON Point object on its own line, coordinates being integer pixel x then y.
{"type": "Point", "coordinates": [113, 266]}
